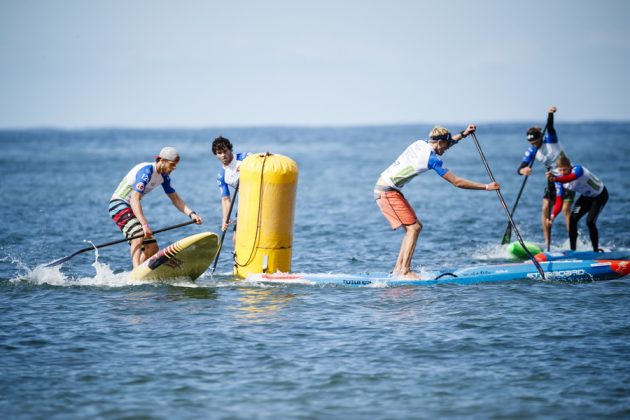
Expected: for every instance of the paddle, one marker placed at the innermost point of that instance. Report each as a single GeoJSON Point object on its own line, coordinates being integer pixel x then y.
{"type": "Point", "coordinates": [140, 235]}
{"type": "Point", "coordinates": [507, 212]}
{"type": "Point", "coordinates": [507, 236]}
{"type": "Point", "coordinates": [549, 229]}
{"type": "Point", "coordinates": [216, 259]}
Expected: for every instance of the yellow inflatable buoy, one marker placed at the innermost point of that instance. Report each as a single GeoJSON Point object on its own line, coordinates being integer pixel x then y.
{"type": "Point", "coordinates": [266, 207]}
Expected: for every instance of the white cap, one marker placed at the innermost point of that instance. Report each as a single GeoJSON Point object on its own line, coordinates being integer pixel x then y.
{"type": "Point", "coordinates": [168, 153]}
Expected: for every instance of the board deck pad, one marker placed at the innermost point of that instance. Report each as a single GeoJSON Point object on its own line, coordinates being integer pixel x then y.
{"type": "Point", "coordinates": [187, 258]}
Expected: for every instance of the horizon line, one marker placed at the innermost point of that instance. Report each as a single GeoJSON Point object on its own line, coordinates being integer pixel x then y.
{"type": "Point", "coordinates": [285, 125]}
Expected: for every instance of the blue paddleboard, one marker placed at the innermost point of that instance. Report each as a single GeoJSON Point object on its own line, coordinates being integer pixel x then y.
{"type": "Point", "coordinates": [572, 271]}
{"type": "Point", "coordinates": [582, 255]}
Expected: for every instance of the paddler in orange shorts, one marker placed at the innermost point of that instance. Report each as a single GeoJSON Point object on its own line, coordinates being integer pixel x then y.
{"type": "Point", "coordinates": [418, 158]}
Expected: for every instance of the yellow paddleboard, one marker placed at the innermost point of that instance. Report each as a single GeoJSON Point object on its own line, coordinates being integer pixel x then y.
{"type": "Point", "coordinates": [186, 258]}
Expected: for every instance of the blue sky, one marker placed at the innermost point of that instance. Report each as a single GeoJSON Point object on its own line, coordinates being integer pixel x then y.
{"type": "Point", "coordinates": [77, 64]}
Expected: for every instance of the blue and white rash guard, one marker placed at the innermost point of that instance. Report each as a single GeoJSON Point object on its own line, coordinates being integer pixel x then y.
{"type": "Point", "coordinates": [142, 178]}
{"type": "Point", "coordinates": [229, 175]}
{"type": "Point", "coordinates": [548, 154]}
{"type": "Point", "coordinates": [418, 158]}
{"type": "Point", "coordinates": [550, 149]}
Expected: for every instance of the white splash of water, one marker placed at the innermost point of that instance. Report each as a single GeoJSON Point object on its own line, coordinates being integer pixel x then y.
{"type": "Point", "coordinates": [492, 252]}
{"type": "Point", "coordinates": [104, 276]}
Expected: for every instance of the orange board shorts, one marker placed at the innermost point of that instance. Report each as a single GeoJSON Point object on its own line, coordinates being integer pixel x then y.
{"type": "Point", "coordinates": [395, 208]}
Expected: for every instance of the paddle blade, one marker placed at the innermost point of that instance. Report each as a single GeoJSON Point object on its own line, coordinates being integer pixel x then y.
{"type": "Point", "coordinates": [507, 235]}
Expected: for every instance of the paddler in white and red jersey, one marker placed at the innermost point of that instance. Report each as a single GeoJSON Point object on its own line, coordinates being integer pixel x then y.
{"type": "Point", "coordinates": [593, 198]}
{"type": "Point", "coordinates": [547, 151]}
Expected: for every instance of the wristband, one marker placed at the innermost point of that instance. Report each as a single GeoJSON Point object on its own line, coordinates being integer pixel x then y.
{"type": "Point", "coordinates": [461, 133]}
{"type": "Point", "coordinates": [191, 213]}
{"type": "Point", "coordinates": [486, 187]}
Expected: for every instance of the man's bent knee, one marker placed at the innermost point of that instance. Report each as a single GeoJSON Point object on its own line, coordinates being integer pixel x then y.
{"type": "Point", "coordinates": [414, 228]}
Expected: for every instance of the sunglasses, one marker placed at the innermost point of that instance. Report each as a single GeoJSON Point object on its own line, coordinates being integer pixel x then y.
{"type": "Point", "coordinates": [445, 137]}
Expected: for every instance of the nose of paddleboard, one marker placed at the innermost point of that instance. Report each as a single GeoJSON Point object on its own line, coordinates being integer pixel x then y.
{"type": "Point", "coordinates": [618, 266]}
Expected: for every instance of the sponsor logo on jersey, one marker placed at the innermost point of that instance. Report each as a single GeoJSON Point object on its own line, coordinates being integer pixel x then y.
{"type": "Point", "coordinates": [140, 186]}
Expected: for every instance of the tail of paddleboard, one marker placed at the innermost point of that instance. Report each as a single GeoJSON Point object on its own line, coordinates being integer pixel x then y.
{"type": "Point", "coordinates": [187, 258]}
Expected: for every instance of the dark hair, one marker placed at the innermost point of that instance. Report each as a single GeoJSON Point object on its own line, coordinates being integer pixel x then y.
{"type": "Point", "coordinates": [221, 143]}
{"type": "Point", "coordinates": [563, 160]}
{"type": "Point", "coordinates": [534, 133]}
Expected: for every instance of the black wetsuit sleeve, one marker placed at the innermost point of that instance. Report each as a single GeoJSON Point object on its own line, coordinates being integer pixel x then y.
{"type": "Point", "coordinates": [521, 166]}
{"type": "Point", "coordinates": [550, 128]}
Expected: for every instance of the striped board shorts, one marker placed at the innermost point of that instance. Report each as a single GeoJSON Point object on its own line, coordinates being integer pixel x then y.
{"type": "Point", "coordinates": [123, 216]}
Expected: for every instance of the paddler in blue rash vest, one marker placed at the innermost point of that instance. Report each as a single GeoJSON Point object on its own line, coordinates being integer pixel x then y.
{"type": "Point", "coordinates": [228, 177]}
{"type": "Point", "coordinates": [593, 198]}
{"type": "Point", "coordinates": [547, 151]}
{"type": "Point", "coordinates": [418, 158]}
{"type": "Point", "coordinates": [125, 206]}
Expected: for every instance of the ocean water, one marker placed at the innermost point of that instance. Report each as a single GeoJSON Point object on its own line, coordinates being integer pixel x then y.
{"type": "Point", "coordinates": [82, 340]}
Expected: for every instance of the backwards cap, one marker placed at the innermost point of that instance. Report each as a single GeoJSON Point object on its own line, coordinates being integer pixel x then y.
{"type": "Point", "coordinates": [168, 153]}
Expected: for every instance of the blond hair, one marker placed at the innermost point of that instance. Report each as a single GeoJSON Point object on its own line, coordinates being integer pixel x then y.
{"type": "Point", "coordinates": [437, 131]}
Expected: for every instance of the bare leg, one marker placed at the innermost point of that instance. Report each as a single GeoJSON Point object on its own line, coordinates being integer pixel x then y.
{"type": "Point", "coordinates": [407, 248]}
{"type": "Point", "coordinates": [137, 255]}
{"type": "Point", "coordinates": [150, 250]}
{"type": "Point", "coordinates": [544, 216]}
{"type": "Point", "coordinates": [566, 209]}
{"type": "Point", "coordinates": [136, 252]}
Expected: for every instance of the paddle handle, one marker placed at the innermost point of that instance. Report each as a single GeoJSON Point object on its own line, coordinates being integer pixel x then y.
{"type": "Point", "coordinates": [505, 208]}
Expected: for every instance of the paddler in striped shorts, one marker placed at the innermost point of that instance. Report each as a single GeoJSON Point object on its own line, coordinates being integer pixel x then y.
{"type": "Point", "coordinates": [125, 206]}
{"type": "Point", "coordinates": [418, 158]}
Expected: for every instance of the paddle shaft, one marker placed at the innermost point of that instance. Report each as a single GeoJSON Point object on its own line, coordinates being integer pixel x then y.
{"type": "Point", "coordinates": [505, 208]}
{"type": "Point", "coordinates": [507, 235]}
{"type": "Point", "coordinates": [140, 235]}
{"type": "Point", "coordinates": [508, 230]}
{"type": "Point", "coordinates": [548, 227]}
{"type": "Point", "coordinates": [216, 259]}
